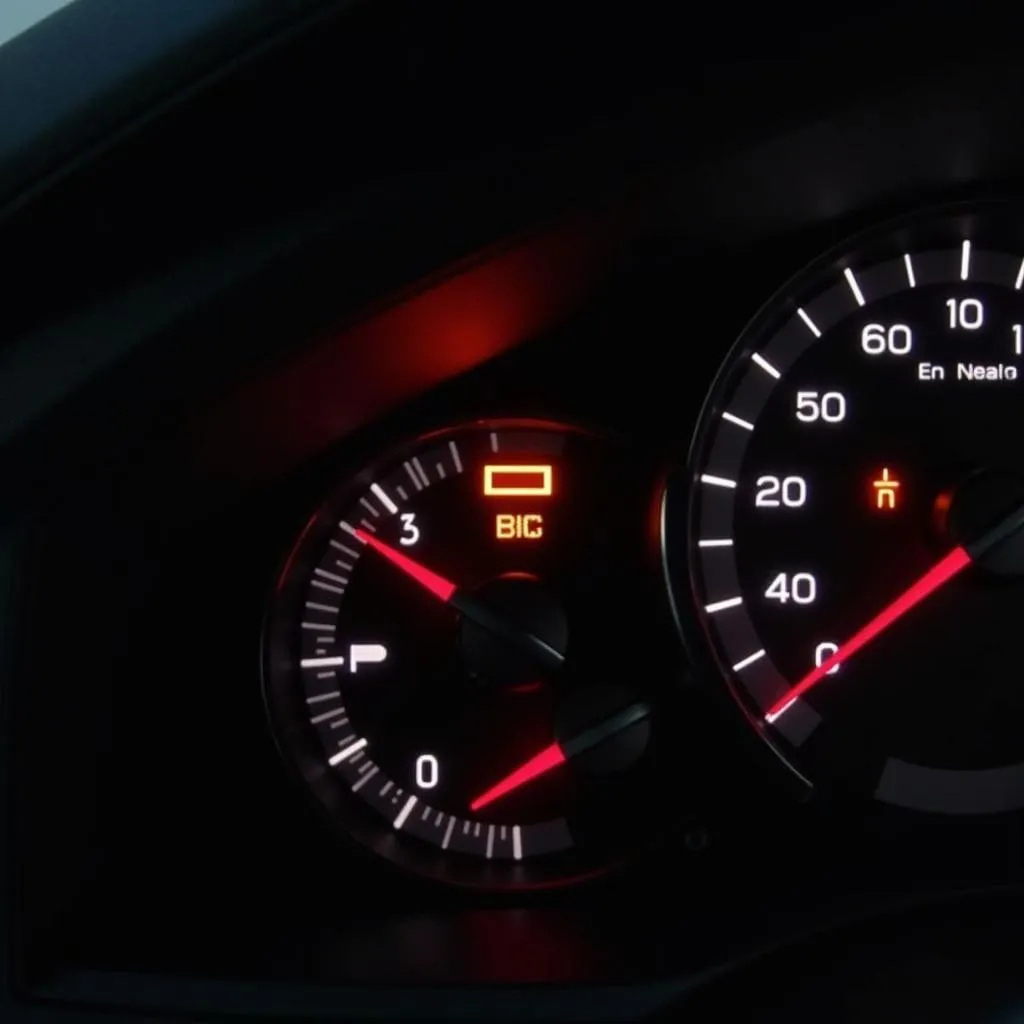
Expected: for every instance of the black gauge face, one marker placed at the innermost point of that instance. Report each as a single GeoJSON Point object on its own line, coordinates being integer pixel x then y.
{"type": "Point", "coordinates": [460, 658]}
{"type": "Point", "coordinates": [854, 528]}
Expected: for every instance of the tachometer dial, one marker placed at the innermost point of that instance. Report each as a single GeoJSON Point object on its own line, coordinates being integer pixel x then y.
{"type": "Point", "coordinates": [461, 661]}
{"type": "Point", "coordinates": [852, 521]}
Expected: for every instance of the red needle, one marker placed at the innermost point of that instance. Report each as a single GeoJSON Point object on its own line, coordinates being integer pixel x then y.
{"type": "Point", "coordinates": [437, 585]}
{"type": "Point", "coordinates": [935, 577]}
{"type": "Point", "coordinates": [558, 753]}
{"type": "Point", "coordinates": [548, 758]}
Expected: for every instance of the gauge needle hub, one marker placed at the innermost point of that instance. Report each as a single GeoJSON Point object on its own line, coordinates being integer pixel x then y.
{"type": "Point", "coordinates": [558, 753]}
{"type": "Point", "coordinates": [449, 593]}
{"type": "Point", "coordinates": [937, 576]}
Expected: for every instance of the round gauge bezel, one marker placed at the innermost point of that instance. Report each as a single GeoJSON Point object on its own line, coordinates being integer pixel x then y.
{"type": "Point", "coordinates": [349, 817]}
{"type": "Point", "coordinates": [998, 227]}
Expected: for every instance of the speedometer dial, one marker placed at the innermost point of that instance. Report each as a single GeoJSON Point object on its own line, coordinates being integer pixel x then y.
{"type": "Point", "coordinates": [853, 519]}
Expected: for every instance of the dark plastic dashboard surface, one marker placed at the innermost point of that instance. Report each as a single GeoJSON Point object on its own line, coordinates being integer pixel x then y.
{"type": "Point", "coordinates": [213, 322]}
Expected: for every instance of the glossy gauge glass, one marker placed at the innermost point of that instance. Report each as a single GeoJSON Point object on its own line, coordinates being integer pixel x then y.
{"type": "Point", "coordinates": [850, 525]}
{"type": "Point", "coordinates": [460, 658]}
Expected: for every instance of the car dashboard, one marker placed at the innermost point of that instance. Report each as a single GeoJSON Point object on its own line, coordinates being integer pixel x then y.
{"type": "Point", "coordinates": [515, 515]}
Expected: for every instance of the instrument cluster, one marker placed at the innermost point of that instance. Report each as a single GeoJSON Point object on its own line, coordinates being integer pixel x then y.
{"type": "Point", "coordinates": [492, 652]}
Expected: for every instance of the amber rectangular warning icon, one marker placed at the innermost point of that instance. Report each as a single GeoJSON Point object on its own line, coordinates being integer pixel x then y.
{"type": "Point", "coordinates": [517, 481]}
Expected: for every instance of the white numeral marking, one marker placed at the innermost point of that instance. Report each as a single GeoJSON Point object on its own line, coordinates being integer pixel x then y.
{"type": "Point", "coordinates": [366, 654]}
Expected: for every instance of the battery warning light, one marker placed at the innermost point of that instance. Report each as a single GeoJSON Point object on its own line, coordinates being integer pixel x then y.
{"type": "Point", "coordinates": [885, 488]}
{"type": "Point", "coordinates": [518, 481]}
